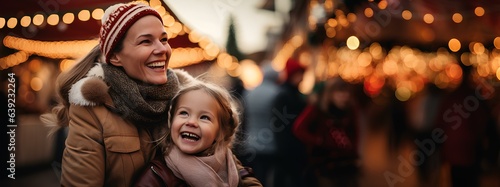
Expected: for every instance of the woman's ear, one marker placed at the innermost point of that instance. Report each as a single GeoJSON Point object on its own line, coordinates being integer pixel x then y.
{"type": "Point", "coordinates": [115, 60]}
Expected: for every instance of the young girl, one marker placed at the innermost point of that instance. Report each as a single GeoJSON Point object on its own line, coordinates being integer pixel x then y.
{"type": "Point", "coordinates": [202, 124]}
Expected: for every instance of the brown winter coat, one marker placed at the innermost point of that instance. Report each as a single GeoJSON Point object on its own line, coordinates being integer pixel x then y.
{"type": "Point", "coordinates": [105, 153]}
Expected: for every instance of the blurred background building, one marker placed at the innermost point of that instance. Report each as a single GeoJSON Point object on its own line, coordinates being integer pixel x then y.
{"type": "Point", "coordinates": [408, 52]}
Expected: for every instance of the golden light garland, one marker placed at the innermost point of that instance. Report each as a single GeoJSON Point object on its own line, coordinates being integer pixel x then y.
{"type": "Point", "coordinates": [181, 57]}
{"type": "Point", "coordinates": [13, 59]}
{"type": "Point", "coordinates": [404, 69]}
{"type": "Point", "coordinates": [76, 49]}
{"type": "Point", "coordinates": [57, 49]}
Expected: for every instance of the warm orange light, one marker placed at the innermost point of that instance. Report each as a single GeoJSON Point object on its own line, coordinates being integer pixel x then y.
{"type": "Point", "coordinates": [161, 10]}
{"type": "Point", "coordinates": [454, 45]}
{"type": "Point", "coordinates": [403, 93]}
{"type": "Point", "coordinates": [373, 85]}
{"type": "Point", "coordinates": [428, 18]}
{"type": "Point", "coordinates": [329, 4]}
{"type": "Point", "coordinates": [368, 12]}
{"type": "Point", "coordinates": [376, 50]}
{"type": "Point", "coordinates": [224, 60]}
{"type": "Point", "coordinates": [483, 70]}
{"type": "Point", "coordinates": [296, 41]}
{"type": "Point", "coordinates": [68, 18]}
{"type": "Point", "coordinates": [176, 27]}
{"type": "Point", "coordinates": [406, 14]}
{"type": "Point", "coordinates": [84, 15]}
{"type": "Point", "coordinates": [390, 67]}
{"type": "Point", "coordinates": [12, 22]}
{"type": "Point", "coordinates": [351, 17]}
{"type": "Point", "coordinates": [478, 48]}
{"type": "Point", "coordinates": [457, 18]}
{"type": "Point", "coordinates": [53, 19]}
{"type": "Point", "coordinates": [498, 73]}
{"type": "Point", "coordinates": [212, 50]}
{"type": "Point", "coordinates": [168, 20]}
{"type": "Point", "coordinates": [25, 21]}
{"type": "Point", "coordinates": [364, 59]}
{"type": "Point", "coordinates": [464, 58]}
{"type": "Point", "coordinates": [66, 65]}
{"type": "Point", "coordinates": [454, 71]}
{"type": "Point", "coordinates": [36, 84]}
{"type": "Point", "coordinates": [38, 19]}
{"type": "Point", "coordinates": [352, 42]}
{"type": "Point", "coordinates": [2, 22]}
{"type": "Point", "coordinates": [496, 42]}
{"type": "Point", "coordinates": [331, 32]}
{"type": "Point", "coordinates": [479, 11]}
{"type": "Point", "coordinates": [251, 74]}
{"type": "Point", "coordinates": [332, 22]}
{"type": "Point", "coordinates": [382, 4]}
{"type": "Point", "coordinates": [34, 65]}
{"type": "Point", "coordinates": [97, 13]}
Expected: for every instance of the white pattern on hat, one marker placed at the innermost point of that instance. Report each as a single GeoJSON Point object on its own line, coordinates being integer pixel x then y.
{"type": "Point", "coordinates": [117, 19]}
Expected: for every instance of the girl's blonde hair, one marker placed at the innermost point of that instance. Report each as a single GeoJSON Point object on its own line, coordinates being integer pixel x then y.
{"type": "Point", "coordinates": [228, 115]}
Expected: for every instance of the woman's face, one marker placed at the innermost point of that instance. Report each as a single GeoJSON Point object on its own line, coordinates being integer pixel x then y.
{"type": "Point", "coordinates": [145, 52]}
{"type": "Point", "coordinates": [195, 123]}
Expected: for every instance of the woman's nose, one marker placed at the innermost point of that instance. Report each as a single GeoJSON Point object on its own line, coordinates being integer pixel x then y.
{"type": "Point", "coordinates": [160, 48]}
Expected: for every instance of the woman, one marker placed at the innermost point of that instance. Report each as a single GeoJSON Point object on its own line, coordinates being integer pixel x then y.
{"type": "Point", "coordinates": [115, 109]}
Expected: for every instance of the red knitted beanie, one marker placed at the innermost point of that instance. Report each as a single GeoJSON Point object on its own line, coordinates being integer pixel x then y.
{"type": "Point", "coordinates": [117, 20]}
{"type": "Point", "coordinates": [293, 66]}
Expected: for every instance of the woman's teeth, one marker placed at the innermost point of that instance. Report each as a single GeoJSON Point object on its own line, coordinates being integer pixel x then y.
{"type": "Point", "coordinates": [157, 65]}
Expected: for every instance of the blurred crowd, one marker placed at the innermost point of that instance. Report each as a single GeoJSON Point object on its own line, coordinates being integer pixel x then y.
{"type": "Point", "coordinates": [295, 139]}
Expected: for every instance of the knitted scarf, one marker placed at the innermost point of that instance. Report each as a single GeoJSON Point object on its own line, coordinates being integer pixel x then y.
{"type": "Point", "coordinates": [140, 103]}
{"type": "Point", "coordinates": [215, 170]}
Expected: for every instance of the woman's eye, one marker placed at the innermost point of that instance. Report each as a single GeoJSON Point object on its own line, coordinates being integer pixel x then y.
{"type": "Point", "coordinates": [144, 42]}
{"type": "Point", "coordinates": [164, 40]}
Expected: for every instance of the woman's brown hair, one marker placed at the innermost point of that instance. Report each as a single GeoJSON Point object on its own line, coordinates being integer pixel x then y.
{"type": "Point", "coordinates": [58, 117]}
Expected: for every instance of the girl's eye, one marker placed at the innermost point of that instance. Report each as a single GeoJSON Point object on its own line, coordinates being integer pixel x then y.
{"type": "Point", "coordinates": [183, 113]}
{"type": "Point", "coordinates": [164, 40]}
{"type": "Point", "coordinates": [204, 117]}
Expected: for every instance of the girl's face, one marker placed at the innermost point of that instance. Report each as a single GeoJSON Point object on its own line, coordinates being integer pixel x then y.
{"type": "Point", "coordinates": [145, 52]}
{"type": "Point", "coordinates": [195, 123]}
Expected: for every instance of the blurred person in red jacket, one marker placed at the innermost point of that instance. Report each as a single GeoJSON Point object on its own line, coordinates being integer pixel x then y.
{"type": "Point", "coordinates": [463, 118]}
{"type": "Point", "coordinates": [328, 127]}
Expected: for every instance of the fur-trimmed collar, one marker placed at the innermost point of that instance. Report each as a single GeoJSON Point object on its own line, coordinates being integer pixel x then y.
{"type": "Point", "coordinates": [93, 80]}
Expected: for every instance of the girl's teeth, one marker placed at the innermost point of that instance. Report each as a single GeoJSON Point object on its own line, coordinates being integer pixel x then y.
{"type": "Point", "coordinates": [190, 135]}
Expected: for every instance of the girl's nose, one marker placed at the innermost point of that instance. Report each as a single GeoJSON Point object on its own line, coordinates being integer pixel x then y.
{"type": "Point", "coordinates": [192, 122]}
